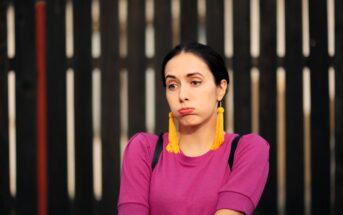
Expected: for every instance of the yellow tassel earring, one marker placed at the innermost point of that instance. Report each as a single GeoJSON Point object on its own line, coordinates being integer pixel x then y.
{"type": "Point", "coordinates": [173, 145]}
{"type": "Point", "coordinates": [219, 138]}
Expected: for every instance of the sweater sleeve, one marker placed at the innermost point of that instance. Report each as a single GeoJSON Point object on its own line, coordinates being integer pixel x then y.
{"type": "Point", "coordinates": [135, 176]}
{"type": "Point", "coordinates": [244, 186]}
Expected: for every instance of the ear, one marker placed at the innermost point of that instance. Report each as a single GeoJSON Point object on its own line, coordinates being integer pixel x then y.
{"type": "Point", "coordinates": [221, 89]}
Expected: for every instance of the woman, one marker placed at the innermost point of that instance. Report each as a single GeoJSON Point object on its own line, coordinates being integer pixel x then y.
{"type": "Point", "coordinates": [192, 175]}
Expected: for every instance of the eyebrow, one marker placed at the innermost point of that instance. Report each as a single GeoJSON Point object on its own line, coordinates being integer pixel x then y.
{"type": "Point", "coordinates": [194, 73]}
{"type": "Point", "coordinates": [170, 76]}
{"type": "Point", "coordinates": [188, 75]}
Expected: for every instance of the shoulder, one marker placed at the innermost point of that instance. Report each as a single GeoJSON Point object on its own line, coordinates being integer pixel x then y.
{"type": "Point", "coordinates": [141, 137]}
{"type": "Point", "coordinates": [253, 144]}
{"type": "Point", "coordinates": [254, 138]}
{"type": "Point", "coordinates": [141, 144]}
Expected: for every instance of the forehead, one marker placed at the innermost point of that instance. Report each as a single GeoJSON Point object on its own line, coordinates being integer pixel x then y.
{"type": "Point", "coordinates": [185, 63]}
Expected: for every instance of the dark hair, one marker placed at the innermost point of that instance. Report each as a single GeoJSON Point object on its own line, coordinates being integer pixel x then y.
{"type": "Point", "coordinates": [213, 60]}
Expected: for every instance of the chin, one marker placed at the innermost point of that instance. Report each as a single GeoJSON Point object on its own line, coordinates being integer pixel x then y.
{"type": "Point", "coordinates": [188, 122]}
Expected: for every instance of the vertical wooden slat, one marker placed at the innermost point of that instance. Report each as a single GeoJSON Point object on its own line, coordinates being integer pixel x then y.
{"type": "Point", "coordinates": [294, 111]}
{"type": "Point", "coordinates": [268, 127]}
{"type": "Point", "coordinates": [83, 107]}
{"type": "Point", "coordinates": [320, 126]}
{"type": "Point", "coordinates": [215, 28]}
{"type": "Point", "coordinates": [136, 65]}
{"type": "Point", "coordinates": [26, 107]}
{"type": "Point", "coordinates": [189, 20]}
{"type": "Point", "coordinates": [5, 196]}
{"type": "Point", "coordinates": [338, 209]}
{"type": "Point", "coordinates": [215, 25]}
{"type": "Point", "coordinates": [163, 43]}
{"type": "Point", "coordinates": [241, 66]}
{"type": "Point", "coordinates": [58, 200]}
{"type": "Point", "coordinates": [41, 108]}
{"type": "Point", "coordinates": [110, 118]}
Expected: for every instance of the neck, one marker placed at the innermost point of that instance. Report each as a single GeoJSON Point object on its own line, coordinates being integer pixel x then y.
{"type": "Point", "coordinates": [197, 140]}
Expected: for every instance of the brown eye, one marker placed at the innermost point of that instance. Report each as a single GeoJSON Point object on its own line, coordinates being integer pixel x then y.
{"type": "Point", "coordinates": [171, 86]}
{"type": "Point", "coordinates": [195, 83]}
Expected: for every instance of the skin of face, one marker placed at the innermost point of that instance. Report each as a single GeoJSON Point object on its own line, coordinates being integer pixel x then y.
{"type": "Point", "coordinates": [191, 91]}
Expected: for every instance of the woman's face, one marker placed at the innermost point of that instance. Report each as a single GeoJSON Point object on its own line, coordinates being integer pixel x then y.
{"type": "Point", "coordinates": [191, 90]}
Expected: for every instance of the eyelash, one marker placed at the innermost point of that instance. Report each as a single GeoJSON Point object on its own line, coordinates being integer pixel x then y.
{"type": "Point", "coordinates": [171, 86]}
{"type": "Point", "coordinates": [195, 82]}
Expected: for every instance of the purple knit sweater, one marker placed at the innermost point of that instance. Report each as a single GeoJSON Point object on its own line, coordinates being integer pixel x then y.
{"type": "Point", "coordinates": [182, 185]}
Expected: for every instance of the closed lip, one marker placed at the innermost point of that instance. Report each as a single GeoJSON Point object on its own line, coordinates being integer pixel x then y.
{"type": "Point", "coordinates": [185, 111]}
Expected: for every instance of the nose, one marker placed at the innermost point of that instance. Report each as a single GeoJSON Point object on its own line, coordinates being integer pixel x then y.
{"type": "Point", "coordinates": [183, 93]}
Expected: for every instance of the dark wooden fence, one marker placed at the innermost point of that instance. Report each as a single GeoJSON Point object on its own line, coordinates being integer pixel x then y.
{"type": "Point", "coordinates": [40, 64]}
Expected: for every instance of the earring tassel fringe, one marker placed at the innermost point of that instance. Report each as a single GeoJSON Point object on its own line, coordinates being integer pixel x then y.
{"type": "Point", "coordinates": [219, 138]}
{"type": "Point", "coordinates": [173, 145]}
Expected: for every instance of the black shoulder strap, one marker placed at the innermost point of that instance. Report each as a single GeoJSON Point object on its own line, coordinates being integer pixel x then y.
{"type": "Point", "coordinates": [233, 149]}
{"type": "Point", "coordinates": [158, 149]}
